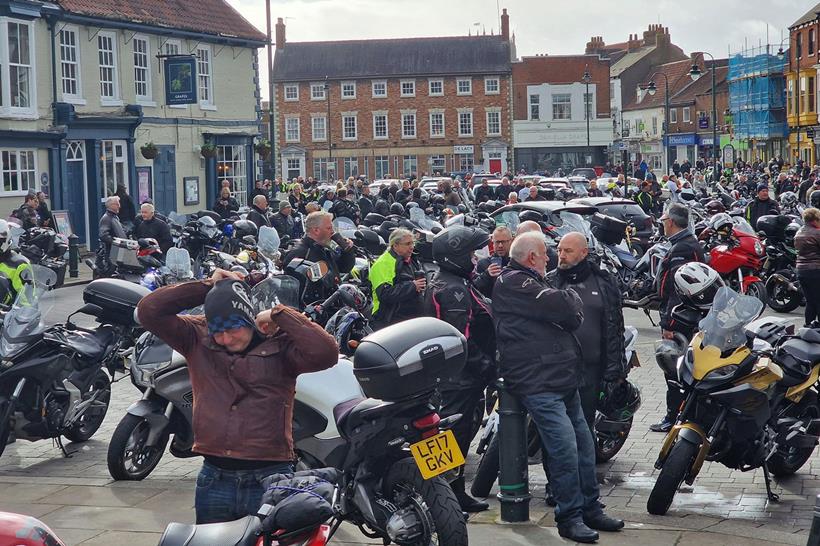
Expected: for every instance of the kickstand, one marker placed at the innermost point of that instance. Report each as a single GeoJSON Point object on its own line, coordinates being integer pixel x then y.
{"type": "Point", "coordinates": [59, 441]}
{"type": "Point", "coordinates": [649, 316]}
{"type": "Point", "coordinates": [773, 497]}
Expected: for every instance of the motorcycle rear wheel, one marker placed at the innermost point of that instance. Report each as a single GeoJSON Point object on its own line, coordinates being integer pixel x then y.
{"type": "Point", "coordinates": [128, 458]}
{"type": "Point", "coordinates": [788, 462]}
{"type": "Point", "coordinates": [487, 471]}
{"type": "Point", "coordinates": [450, 525]}
{"type": "Point", "coordinates": [780, 299]}
{"type": "Point", "coordinates": [94, 416]}
{"type": "Point", "coordinates": [607, 445]}
{"type": "Point", "coordinates": [671, 476]}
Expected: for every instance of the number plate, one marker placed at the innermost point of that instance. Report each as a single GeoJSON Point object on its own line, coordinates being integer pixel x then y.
{"type": "Point", "coordinates": [437, 454]}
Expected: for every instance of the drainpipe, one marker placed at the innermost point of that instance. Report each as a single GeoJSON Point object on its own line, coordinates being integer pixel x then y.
{"type": "Point", "coordinates": [52, 27]}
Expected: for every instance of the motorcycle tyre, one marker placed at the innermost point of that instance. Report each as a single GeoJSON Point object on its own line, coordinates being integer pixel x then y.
{"type": "Point", "coordinates": [758, 290]}
{"type": "Point", "coordinates": [449, 521]}
{"type": "Point", "coordinates": [780, 465]}
{"type": "Point", "coordinates": [671, 476]}
{"type": "Point", "coordinates": [790, 305]}
{"type": "Point", "coordinates": [82, 430]}
{"type": "Point", "coordinates": [601, 455]}
{"type": "Point", "coordinates": [488, 467]}
{"type": "Point", "coordinates": [5, 429]}
{"type": "Point", "coordinates": [116, 450]}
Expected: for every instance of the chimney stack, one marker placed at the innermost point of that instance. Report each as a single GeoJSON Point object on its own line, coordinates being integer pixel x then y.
{"type": "Point", "coordinates": [505, 25]}
{"type": "Point", "coordinates": [280, 34]}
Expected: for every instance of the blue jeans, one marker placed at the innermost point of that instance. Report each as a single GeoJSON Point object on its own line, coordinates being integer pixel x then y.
{"type": "Point", "coordinates": [570, 453]}
{"type": "Point", "coordinates": [228, 495]}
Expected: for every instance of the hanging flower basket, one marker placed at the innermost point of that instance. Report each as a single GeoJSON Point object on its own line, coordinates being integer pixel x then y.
{"type": "Point", "coordinates": [149, 151]}
{"type": "Point", "coordinates": [208, 150]}
{"type": "Point", "coordinates": [263, 148]}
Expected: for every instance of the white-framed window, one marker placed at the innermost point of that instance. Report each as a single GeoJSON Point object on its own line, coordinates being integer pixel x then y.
{"type": "Point", "coordinates": [204, 75]}
{"type": "Point", "coordinates": [408, 88]}
{"type": "Point", "coordinates": [17, 73]}
{"type": "Point", "coordinates": [437, 124]}
{"type": "Point", "coordinates": [113, 166]}
{"type": "Point", "coordinates": [319, 128]}
{"type": "Point", "coordinates": [317, 91]}
{"type": "Point", "coordinates": [435, 88]}
{"type": "Point", "coordinates": [562, 106]}
{"type": "Point", "coordinates": [348, 90]}
{"type": "Point", "coordinates": [408, 125]}
{"type": "Point", "coordinates": [351, 167]}
{"type": "Point", "coordinates": [320, 171]}
{"type": "Point", "coordinates": [535, 107]}
{"type": "Point", "coordinates": [494, 122]}
{"type": "Point", "coordinates": [382, 165]}
{"type": "Point", "coordinates": [654, 125]}
{"type": "Point", "coordinates": [70, 64]}
{"type": "Point", "coordinates": [18, 170]}
{"type": "Point", "coordinates": [465, 123]}
{"type": "Point", "coordinates": [142, 68]}
{"type": "Point", "coordinates": [379, 125]}
{"type": "Point", "coordinates": [349, 127]}
{"type": "Point", "coordinates": [465, 162]}
{"type": "Point", "coordinates": [109, 82]}
{"type": "Point", "coordinates": [291, 92]}
{"type": "Point", "coordinates": [410, 165]}
{"type": "Point", "coordinates": [673, 115]}
{"type": "Point", "coordinates": [464, 86]}
{"type": "Point", "coordinates": [292, 129]}
{"type": "Point", "coordinates": [438, 163]}
{"type": "Point", "coordinates": [379, 89]}
{"type": "Point", "coordinates": [492, 85]}
{"type": "Point", "coordinates": [233, 160]}
{"type": "Point", "coordinates": [686, 118]}
{"type": "Point", "coordinates": [172, 47]}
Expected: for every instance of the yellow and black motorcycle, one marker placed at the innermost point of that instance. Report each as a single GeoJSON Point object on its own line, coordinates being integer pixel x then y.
{"type": "Point", "coordinates": [741, 408]}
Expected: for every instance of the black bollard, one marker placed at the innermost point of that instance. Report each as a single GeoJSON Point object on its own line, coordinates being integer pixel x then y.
{"type": "Point", "coordinates": [513, 484]}
{"type": "Point", "coordinates": [73, 256]}
{"type": "Point", "coordinates": [814, 534]}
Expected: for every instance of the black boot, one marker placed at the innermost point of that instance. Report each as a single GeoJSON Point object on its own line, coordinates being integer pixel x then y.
{"type": "Point", "coordinates": [468, 504]}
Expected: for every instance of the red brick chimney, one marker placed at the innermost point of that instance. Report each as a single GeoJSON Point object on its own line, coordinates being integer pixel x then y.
{"type": "Point", "coordinates": [505, 25]}
{"type": "Point", "coordinates": [280, 33]}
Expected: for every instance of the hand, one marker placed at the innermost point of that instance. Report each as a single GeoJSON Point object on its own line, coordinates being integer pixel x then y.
{"type": "Point", "coordinates": [421, 284]}
{"type": "Point", "coordinates": [494, 270]}
{"type": "Point", "coordinates": [265, 324]}
{"type": "Point", "coordinates": [668, 334]}
{"type": "Point", "coordinates": [220, 274]}
{"type": "Point", "coordinates": [348, 244]}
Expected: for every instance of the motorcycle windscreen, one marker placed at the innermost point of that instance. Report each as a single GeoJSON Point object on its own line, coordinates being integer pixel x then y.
{"type": "Point", "coordinates": [275, 290]}
{"type": "Point", "coordinates": [268, 243]}
{"type": "Point", "coordinates": [345, 226]}
{"type": "Point", "coordinates": [178, 261]}
{"type": "Point", "coordinates": [24, 322]}
{"type": "Point", "coordinates": [724, 326]}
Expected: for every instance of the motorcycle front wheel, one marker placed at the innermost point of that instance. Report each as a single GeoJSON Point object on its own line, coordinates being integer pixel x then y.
{"type": "Point", "coordinates": [672, 474]}
{"type": "Point", "coordinates": [449, 525]}
{"type": "Point", "coordinates": [758, 290]}
{"type": "Point", "coordinates": [487, 471]}
{"type": "Point", "coordinates": [128, 456]}
{"type": "Point", "coordinates": [90, 421]}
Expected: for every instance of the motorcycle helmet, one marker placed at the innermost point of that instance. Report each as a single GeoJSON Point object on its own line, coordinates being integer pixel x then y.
{"type": "Point", "coordinates": [411, 205]}
{"type": "Point", "coordinates": [397, 209]}
{"type": "Point", "coordinates": [530, 215]}
{"type": "Point", "coordinates": [668, 352]}
{"type": "Point", "coordinates": [789, 233]}
{"type": "Point", "coordinates": [453, 248]}
{"type": "Point", "coordinates": [773, 225]}
{"type": "Point", "coordinates": [721, 223]}
{"type": "Point", "coordinates": [5, 236]}
{"type": "Point", "coordinates": [242, 228]}
{"type": "Point", "coordinates": [353, 297]}
{"type": "Point", "coordinates": [715, 206]}
{"type": "Point", "coordinates": [814, 200]}
{"type": "Point", "coordinates": [788, 199]}
{"type": "Point", "coordinates": [696, 283]}
{"type": "Point", "coordinates": [207, 227]}
{"type": "Point", "coordinates": [619, 401]}
{"type": "Point", "coordinates": [687, 194]}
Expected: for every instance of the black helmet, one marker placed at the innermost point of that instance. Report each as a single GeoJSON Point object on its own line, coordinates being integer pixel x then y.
{"type": "Point", "coordinates": [715, 206]}
{"type": "Point", "coordinates": [619, 401]}
{"type": "Point", "coordinates": [790, 231]}
{"type": "Point", "coordinates": [773, 225]}
{"type": "Point", "coordinates": [397, 208]}
{"type": "Point", "coordinates": [814, 199]}
{"type": "Point", "coordinates": [241, 228]}
{"type": "Point", "coordinates": [410, 205]}
{"type": "Point", "coordinates": [453, 248]}
{"type": "Point", "coordinates": [530, 215]}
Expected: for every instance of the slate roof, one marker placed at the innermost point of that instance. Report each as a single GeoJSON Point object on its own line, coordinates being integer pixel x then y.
{"type": "Point", "coordinates": [207, 16]}
{"type": "Point", "coordinates": [703, 86]}
{"type": "Point", "coordinates": [299, 61]}
{"type": "Point", "coordinates": [809, 16]}
{"type": "Point", "coordinates": [677, 72]}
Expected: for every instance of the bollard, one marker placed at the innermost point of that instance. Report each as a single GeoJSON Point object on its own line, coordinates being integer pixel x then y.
{"type": "Point", "coordinates": [814, 534]}
{"type": "Point", "coordinates": [513, 483]}
{"type": "Point", "coordinates": [73, 256]}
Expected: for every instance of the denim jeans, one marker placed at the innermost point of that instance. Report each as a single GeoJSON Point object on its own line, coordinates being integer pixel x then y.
{"type": "Point", "coordinates": [570, 453]}
{"type": "Point", "coordinates": [228, 495]}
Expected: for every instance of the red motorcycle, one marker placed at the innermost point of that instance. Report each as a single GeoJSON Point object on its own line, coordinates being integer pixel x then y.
{"type": "Point", "coordinates": [20, 530]}
{"type": "Point", "coordinates": [736, 253]}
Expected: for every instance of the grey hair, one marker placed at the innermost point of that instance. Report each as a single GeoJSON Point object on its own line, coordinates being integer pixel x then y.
{"type": "Point", "coordinates": [501, 229]}
{"type": "Point", "coordinates": [148, 206]}
{"type": "Point", "coordinates": [399, 234]}
{"type": "Point", "coordinates": [526, 243]}
{"type": "Point", "coordinates": [111, 199]}
{"type": "Point", "coordinates": [258, 199]}
{"type": "Point", "coordinates": [314, 219]}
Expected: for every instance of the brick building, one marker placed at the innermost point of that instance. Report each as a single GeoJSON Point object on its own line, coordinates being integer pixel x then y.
{"type": "Point", "coordinates": [551, 107]}
{"type": "Point", "coordinates": [398, 106]}
{"type": "Point", "coordinates": [801, 87]}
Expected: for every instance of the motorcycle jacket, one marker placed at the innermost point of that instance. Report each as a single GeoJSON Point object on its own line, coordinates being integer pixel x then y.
{"type": "Point", "coordinates": [395, 297]}
{"type": "Point", "coordinates": [758, 208]}
{"type": "Point", "coordinates": [110, 227]}
{"type": "Point", "coordinates": [685, 248]}
{"type": "Point", "coordinates": [338, 261]}
{"type": "Point", "coordinates": [12, 266]}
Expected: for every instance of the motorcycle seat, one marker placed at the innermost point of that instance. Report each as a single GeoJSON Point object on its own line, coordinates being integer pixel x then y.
{"type": "Point", "coordinates": [242, 532]}
{"type": "Point", "coordinates": [90, 346]}
{"type": "Point", "coordinates": [351, 414]}
{"type": "Point", "coordinates": [809, 335]}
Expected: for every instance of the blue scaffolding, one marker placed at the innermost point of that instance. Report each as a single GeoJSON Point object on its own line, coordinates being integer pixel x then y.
{"type": "Point", "coordinates": [757, 95]}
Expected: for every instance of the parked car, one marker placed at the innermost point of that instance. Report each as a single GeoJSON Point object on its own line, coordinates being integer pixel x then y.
{"type": "Point", "coordinates": [587, 172]}
{"type": "Point", "coordinates": [623, 209]}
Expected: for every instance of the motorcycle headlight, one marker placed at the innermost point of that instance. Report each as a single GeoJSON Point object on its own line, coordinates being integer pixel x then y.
{"type": "Point", "coordinates": [144, 373]}
{"type": "Point", "coordinates": [721, 373]}
{"type": "Point", "coordinates": [759, 248]}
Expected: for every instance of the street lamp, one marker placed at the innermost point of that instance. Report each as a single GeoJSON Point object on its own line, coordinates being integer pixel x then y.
{"type": "Point", "coordinates": [695, 73]}
{"type": "Point", "coordinates": [587, 107]}
{"type": "Point", "coordinates": [652, 89]}
{"type": "Point", "coordinates": [329, 147]}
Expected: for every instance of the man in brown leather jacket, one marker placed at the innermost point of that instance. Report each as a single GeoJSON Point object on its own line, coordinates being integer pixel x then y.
{"type": "Point", "coordinates": [243, 369]}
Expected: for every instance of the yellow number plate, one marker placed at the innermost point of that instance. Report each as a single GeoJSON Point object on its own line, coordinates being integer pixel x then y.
{"type": "Point", "coordinates": [437, 454]}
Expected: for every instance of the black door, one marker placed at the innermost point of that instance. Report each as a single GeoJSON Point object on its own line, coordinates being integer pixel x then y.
{"type": "Point", "coordinates": [165, 175]}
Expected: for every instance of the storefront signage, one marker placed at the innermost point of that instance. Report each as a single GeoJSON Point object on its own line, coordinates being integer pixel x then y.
{"type": "Point", "coordinates": [682, 140]}
{"type": "Point", "coordinates": [463, 149]}
{"type": "Point", "coordinates": [728, 155]}
{"type": "Point", "coordinates": [703, 123]}
{"type": "Point", "coordinates": [180, 80]}
{"type": "Point", "coordinates": [706, 141]}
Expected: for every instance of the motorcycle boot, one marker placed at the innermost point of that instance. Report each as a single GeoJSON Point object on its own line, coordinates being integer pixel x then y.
{"type": "Point", "coordinates": [468, 504]}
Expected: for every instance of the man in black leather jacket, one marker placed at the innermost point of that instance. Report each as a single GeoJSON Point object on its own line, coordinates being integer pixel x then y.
{"type": "Point", "coordinates": [283, 220]}
{"type": "Point", "coordinates": [110, 228]}
{"type": "Point", "coordinates": [149, 226]}
{"type": "Point", "coordinates": [27, 213]}
{"type": "Point", "coordinates": [259, 212]}
{"type": "Point", "coordinates": [343, 207]}
{"type": "Point", "coordinates": [315, 246]}
{"type": "Point", "coordinates": [761, 206]}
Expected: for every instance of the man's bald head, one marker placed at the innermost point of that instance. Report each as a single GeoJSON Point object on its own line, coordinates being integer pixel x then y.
{"type": "Point", "coordinates": [528, 227]}
{"type": "Point", "coordinates": [530, 250]}
{"type": "Point", "coordinates": [572, 250]}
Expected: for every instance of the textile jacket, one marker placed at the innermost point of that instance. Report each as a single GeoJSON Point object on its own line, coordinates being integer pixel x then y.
{"type": "Point", "coordinates": [395, 297]}
{"type": "Point", "coordinates": [337, 260]}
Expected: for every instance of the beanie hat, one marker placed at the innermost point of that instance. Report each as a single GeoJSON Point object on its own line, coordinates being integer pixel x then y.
{"type": "Point", "coordinates": [285, 204]}
{"type": "Point", "coordinates": [761, 187]}
{"type": "Point", "coordinates": [228, 306]}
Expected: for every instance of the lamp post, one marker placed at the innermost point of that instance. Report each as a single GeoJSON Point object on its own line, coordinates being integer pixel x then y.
{"type": "Point", "coordinates": [652, 89]}
{"type": "Point", "coordinates": [329, 146]}
{"type": "Point", "coordinates": [587, 107]}
{"type": "Point", "coordinates": [695, 73]}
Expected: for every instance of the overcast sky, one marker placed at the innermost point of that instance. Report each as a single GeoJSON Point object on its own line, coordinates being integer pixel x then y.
{"type": "Point", "coordinates": [557, 27]}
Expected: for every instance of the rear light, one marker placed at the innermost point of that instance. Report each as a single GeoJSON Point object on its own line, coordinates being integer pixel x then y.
{"type": "Point", "coordinates": [428, 425]}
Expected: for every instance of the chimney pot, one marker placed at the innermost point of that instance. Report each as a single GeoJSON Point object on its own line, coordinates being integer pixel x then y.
{"type": "Point", "coordinates": [505, 25]}
{"type": "Point", "coordinates": [280, 33]}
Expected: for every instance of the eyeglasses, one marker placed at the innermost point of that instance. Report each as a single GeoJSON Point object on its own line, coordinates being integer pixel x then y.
{"type": "Point", "coordinates": [502, 242]}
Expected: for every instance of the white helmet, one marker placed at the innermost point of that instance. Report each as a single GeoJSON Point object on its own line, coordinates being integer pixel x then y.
{"type": "Point", "coordinates": [696, 283]}
{"type": "Point", "coordinates": [5, 236]}
{"type": "Point", "coordinates": [721, 221]}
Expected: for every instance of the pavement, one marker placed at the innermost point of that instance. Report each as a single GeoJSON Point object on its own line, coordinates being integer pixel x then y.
{"type": "Point", "coordinates": [78, 499]}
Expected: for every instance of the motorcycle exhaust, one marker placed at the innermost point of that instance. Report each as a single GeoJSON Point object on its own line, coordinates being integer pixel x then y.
{"type": "Point", "coordinates": [778, 278]}
{"type": "Point", "coordinates": [638, 304]}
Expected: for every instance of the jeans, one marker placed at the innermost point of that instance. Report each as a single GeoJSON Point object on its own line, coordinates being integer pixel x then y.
{"type": "Point", "coordinates": [570, 453]}
{"type": "Point", "coordinates": [228, 495]}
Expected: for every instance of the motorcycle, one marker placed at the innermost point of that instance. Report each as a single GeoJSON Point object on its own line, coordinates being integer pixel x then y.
{"type": "Point", "coordinates": [738, 410]}
{"type": "Point", "coordinates": [46, 247]}
{"type": "Point", "coordinates": [737, 255]}
{"type": "Point", "coordinates": [53, 381]}
{"type": "Point", "coordinates": [128, 259]}
{"type": "Point", "coordinates": [782, 285]}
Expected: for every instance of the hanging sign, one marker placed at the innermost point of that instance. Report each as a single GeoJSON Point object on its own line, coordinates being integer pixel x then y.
{"type": "Point", "coordinates": [180, 80]}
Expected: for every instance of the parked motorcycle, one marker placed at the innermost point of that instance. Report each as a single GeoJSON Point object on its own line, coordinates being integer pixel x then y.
{"type": "Point", "coordinates": [736, 253]}
{"type": "Point", "coordinates": [782, 285]}
{"type": "Point", "coordinates": [46, 247]}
